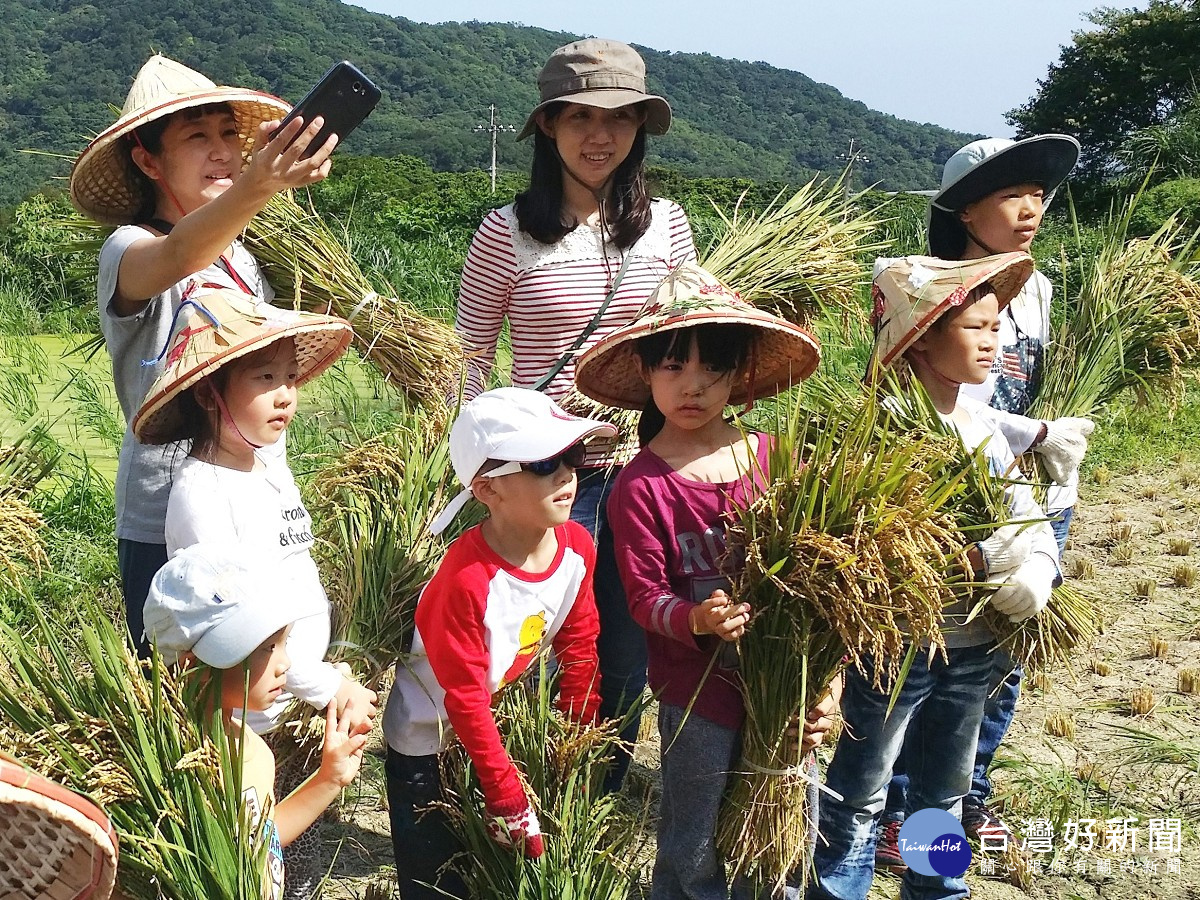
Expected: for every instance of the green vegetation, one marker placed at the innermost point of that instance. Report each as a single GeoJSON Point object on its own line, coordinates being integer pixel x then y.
{"type": "Point", "coordinates": [67, 64]}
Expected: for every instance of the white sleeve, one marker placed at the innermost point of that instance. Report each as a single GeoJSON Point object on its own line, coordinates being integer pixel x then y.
{"type": "Point", "coordinates": [1019, 431]}
{"type": "Point", "coordinates": [197, 514]}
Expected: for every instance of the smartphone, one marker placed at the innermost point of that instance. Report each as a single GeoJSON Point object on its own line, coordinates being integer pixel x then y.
{"type": "Point", "coordinates": [344, 97]}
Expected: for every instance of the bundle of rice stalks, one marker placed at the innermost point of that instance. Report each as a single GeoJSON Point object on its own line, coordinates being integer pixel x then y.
{"type": "Point", "coordinates": [590, 841]}
{"type": "Point", "coordinates": [799, 256]}
{"type": "Point", "coordinates": [373, 507]}
{"type": "Point", "coordinates": [76, 706]}
{"type": "Point", "coordinates": [23, 465]}
{"type": "Point", "coordinates": [308, 264]}
{"type": "Point", "coordinates": [1134, 324]}
{"type": "Point", "coordinates": [848, 554]}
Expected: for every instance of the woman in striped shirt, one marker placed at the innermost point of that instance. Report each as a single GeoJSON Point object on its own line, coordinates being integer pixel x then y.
{"type": "Point", "coordinates": [572, 259]}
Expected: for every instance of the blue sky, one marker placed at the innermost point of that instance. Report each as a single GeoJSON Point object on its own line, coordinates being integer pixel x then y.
{"type": "Point", "coordinates": [957, 64]}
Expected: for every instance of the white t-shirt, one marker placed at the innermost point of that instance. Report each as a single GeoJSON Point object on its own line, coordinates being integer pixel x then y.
{"type": "Point", "coordinates": [262, 514]}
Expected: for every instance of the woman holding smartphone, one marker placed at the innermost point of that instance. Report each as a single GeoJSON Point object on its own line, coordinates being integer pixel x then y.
{"type": "Point", "coordinates": [572, 259]}
{"type": "Point", "coordinates": [181, 173]}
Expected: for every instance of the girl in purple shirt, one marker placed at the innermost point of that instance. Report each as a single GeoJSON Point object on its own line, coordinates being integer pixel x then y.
{"type": "Point", "coordinates": [695, 349]}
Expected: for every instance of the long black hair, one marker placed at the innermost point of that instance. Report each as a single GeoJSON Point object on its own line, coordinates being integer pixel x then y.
{"type": "Point", "coordinates": [539, 209]}
{"type": "Point", "coordinates": [724, 347]}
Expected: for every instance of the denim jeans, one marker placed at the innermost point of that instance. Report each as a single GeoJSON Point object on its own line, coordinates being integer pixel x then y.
{"type": "Point", "coordinates": [622, 642]}
{"type": "Point", "coordinates": [998, 713]}
{"type": "Point", "coordinates": [138, 564]}
{"type": "Point", "coordinates": [422, 840]}
{"type": "Point", "coordinates": [948, 695]}
{"type": "Point", "coordinates": [697, 757]}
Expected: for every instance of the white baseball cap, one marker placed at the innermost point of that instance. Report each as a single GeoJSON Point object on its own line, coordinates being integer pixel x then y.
{"type": "Point", "coordinates": [213, 601]}
{"type": "Point", "coordinates": [513, 425]}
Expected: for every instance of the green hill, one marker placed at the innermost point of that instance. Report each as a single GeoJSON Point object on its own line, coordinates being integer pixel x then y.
{"type": "Point", "coordinates": [66, 63]}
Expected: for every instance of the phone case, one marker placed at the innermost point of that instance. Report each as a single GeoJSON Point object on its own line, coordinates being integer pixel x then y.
{"type": "Point", "coordinates": [344, 97]}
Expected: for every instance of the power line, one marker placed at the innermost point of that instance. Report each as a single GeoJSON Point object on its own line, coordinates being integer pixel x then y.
{"type": "Point", "coordinates": [495, 128]}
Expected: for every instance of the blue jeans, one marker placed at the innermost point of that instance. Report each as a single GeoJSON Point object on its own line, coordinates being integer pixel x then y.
{"type": "Point", "coordinates": [697, 757]}
{"type": "Point", "coordinates": [622, 642]}
{"type": "Point", "coordinates": [998, 713]}
{"type": "Point", "coordinates": [949, 697]}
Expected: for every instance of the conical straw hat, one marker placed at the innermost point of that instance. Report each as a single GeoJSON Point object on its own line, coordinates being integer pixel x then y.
{"type": "Point", "coordinates": [53, 842]}
{"type": "Point", "coordinates": [106, 185]}
{"type": "Point", "coordinates": [212, 329]}
{"type": "Point", "coordinates": [913, 292]}
{"type": "Point", "coordinates": [784, 353]}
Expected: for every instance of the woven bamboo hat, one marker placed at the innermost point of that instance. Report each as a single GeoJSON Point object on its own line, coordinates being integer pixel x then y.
{"type": "Point", "coordinates": [212, 329]}
{"type": "Point", "coordinates": [53, 842]}
{"type": "Point", "coordinates": [913, 292]}
{"type": "Point", "coordinates": [602, 73]}
{"type": "Point", "coordinates": [783, 355]}
{"type": "Point", "coordinates": [105, 183]}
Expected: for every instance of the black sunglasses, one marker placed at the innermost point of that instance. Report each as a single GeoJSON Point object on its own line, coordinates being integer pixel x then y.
{"type": "Point", "coordinates": [573, 456]}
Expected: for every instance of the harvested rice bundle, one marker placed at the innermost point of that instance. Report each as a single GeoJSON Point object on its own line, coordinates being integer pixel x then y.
{"type": "Point", "coordinates": [1135, 323]}
{"type": "Point", "coordinates": [590, 841]}
{"type": "Point", "coordinates": [23, 465]}
{"type": "Point", "coordinates": [374, 507]}
{"type": "Point", "coordinates": [799, 257]}
{"type": "Point", "coordinates": [307, 263]}
{"type": "Point", "coordinates": [76, 706]}
{"type": "Point", "coordinates": [850, 554]}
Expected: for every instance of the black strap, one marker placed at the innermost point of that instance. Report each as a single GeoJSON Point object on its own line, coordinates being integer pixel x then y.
{"type": "Point", "coordinates": [587, 331]}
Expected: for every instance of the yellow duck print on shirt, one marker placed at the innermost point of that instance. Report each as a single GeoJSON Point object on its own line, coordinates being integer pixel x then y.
{"type": "Point", "coordinates": [533, 629]}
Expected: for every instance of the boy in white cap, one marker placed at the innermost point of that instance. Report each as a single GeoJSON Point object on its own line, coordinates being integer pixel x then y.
{"type": "Point", "coordinates": [937, 320]}
{"type": "Point", "coordinates": [993, 195]}
{"type": "Point", "coordinates": [519, 581]}
{"type": "Point", "coordinates": [209, 604]}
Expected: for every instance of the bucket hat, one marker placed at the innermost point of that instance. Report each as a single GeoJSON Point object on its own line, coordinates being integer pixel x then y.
{"type": "Point", "coordinates": [602, 73]}
{"type": "Point", "coordinates": [106, 185]}
{"type": "Point", "coordinates": [212, 329]}
{"type": "Point", "coordinates": [913, 292]}
{"type": "Point", "coordinates": [510, 424]}
{"type": "Point", "coordinates": [988, 165]}
{"type": "Point", "coordinates": [53, 841]}
{"type": "Point", "coordinates": [784, 354]}
{"type": "Point", "coordinates": [214, 601]}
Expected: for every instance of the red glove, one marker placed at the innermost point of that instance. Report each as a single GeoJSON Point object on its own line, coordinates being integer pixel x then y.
{"type": "Point", "coordinates": [519, 830]}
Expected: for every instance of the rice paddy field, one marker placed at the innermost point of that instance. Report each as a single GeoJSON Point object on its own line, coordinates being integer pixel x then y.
{"type": "Point", "coordinates": [1108, 743]}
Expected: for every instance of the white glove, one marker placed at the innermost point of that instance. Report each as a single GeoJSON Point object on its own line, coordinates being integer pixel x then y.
{"type": "Point", "coordinates": [1025, 591]}
{"type": "Point", "coordinates": [1063, 446]}
{"type": "Point", "coordinates": [1007, 548]}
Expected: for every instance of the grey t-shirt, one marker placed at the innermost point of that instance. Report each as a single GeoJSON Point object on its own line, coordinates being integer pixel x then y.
{"type": "Point", "coordinates": [144, 470]}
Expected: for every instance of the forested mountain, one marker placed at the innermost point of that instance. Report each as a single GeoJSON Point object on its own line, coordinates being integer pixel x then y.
{"type": "Point", "coordinates": [66, 63]}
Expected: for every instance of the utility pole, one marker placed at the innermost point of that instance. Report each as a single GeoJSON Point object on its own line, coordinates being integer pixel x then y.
{"type": "Point", "coordinates": [494, 128]}
{"type": "Point", "coordinates": [849, 158]}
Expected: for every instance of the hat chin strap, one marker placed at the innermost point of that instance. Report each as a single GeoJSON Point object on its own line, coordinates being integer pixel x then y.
{"type": "Point", "coordinates": [979, 243]}
{"type": "Point", "coordinates": [924, 363]}
{"type": "Point", "coordinates": [227, 419]}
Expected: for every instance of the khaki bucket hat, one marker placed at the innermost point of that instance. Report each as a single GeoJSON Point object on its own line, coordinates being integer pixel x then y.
{"type": "Point", "coordinates": [53, 841]}
{"type": "Point", "coordinates": [105, 183]}
{"type": "Point", "coordinates": [212, 329]}
{"type": "Point", "coordinates": [913, 292]}
{"type": "Point", "coordinates": [602, 73]}
{"type": "Point", "coordinates": [689, 296]}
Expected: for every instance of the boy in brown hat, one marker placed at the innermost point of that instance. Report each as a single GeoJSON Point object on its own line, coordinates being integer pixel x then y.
{"type": "Point", "coordinates": [181, 173]}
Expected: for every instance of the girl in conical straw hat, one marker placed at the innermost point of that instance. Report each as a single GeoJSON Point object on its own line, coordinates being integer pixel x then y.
{"type": "Point", "coordinates": [941, 319]}
{"type": "Point", "coordinates": [695, 349]}
{"type": "Point", "coordinates": [181, 172]}
{"type": "Point", "coordinates": [228, 378]}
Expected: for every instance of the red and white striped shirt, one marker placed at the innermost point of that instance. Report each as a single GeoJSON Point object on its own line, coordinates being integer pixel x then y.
{"type": "Point", "coordinates": [550, 292]}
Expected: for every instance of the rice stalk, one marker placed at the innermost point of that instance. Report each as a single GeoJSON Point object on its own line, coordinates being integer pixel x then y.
{"type": "Point", "coordinates": [94, 409]}
{"type": "Point", "coordinates": [18, 394]}
{"type": "Point", "coordinates": [1135, 323]}
{"type": "Point", "coordinates": [799, 256]}
{"type": "Point", "coordinates": [590, 841]}
{"type": "Point", "coordinates": [76, 706]}
{"type": "Point", "coordinates": [308, 264]}
{"type": "Point", "coordinates": [23, 466]}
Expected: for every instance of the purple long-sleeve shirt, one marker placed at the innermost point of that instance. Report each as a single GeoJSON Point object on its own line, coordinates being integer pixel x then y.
{"type": "Point", "coordinates": [669, 535]}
